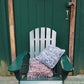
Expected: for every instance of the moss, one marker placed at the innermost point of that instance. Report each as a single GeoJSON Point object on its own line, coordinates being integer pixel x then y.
{"type": "Point", "coordinates": [81, 71]}
{"type": "Point", "coordinates": [4, 68]}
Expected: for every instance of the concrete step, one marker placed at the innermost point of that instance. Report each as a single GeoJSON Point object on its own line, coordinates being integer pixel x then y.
{"type": "Point", "coordinates": [79, 79]}
{"type": "Point", "coordinates": [8, 80]}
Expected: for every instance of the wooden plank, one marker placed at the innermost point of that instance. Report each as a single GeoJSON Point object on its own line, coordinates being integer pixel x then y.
{"type": "Point", "coordinates": [32, 44]}
{"type": "Point", "coordinates": [72, 30]}
{"type": "Point", "coordinates": [48, 32]}
{"type": "Point", "coordinates": [42, 38]}
{"type": "Point", "coordinates": [11, 28]}
{"type": "Point", "coordinates": [36, 41]}
{"type": "Point", "coordinates": [53, 38]}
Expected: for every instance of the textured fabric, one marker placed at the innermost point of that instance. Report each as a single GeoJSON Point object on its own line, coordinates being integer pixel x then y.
{"type": "Point", "coordinates": [50, 56]}
{"type": "Point", "coordinates": [37, 69]}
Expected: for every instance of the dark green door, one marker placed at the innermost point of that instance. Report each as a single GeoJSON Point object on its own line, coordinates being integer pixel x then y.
{"type": "Point", "coordinates": [30, 14]}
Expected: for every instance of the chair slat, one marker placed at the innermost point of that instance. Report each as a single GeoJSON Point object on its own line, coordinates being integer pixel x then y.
{"type": "Point", "coordinates": [48, 32]}
{"type": "Point", "coordinates": [42, 38]}
{"type": "Point", "coordinates": [35, 49]}
{"type": "Point", "coordinates": [53, 38]}
{"type": "Point", "coordinates": [36, 41]}
{"type": "Point", "coordinates": [32, 43]}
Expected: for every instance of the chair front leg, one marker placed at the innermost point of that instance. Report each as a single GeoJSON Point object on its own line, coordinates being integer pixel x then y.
{"type": "Point", "coordinates": [18, 75]}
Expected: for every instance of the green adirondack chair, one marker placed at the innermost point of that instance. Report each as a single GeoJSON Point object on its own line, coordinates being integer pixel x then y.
{"type": "Point", "coordinates": [38, 44]}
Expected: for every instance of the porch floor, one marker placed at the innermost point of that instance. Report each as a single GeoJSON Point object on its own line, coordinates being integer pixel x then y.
{"type": "Point", "coordinates": [79, 79]}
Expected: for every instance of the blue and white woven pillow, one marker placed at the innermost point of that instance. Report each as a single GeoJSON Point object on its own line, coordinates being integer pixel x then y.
{"type": "Point", "coordinates": [50, 56]}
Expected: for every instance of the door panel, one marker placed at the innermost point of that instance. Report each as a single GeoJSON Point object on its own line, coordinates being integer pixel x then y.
{"type": "Point", "coordinates": [30, 14]}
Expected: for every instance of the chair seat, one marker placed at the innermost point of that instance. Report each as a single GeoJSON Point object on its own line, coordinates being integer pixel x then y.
{"type": "Point", "coordinates": [45, 80]}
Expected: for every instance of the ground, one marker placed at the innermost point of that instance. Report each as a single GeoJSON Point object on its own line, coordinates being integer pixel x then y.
{"type": "Point", "coordinates": [79, 79]}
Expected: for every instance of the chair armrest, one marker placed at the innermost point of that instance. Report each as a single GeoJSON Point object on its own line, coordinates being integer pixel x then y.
{"type": "Point", "coordinates": [16, 64]}
{"type": "Point", "coordinates": [65, 64]}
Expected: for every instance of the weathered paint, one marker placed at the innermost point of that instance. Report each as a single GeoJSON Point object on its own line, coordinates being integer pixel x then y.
{"type": "Point", "coordinates": [4, 68]}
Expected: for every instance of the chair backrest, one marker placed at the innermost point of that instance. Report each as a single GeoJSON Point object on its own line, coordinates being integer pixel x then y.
{"type": "Point", "coordinates": [40, 38]}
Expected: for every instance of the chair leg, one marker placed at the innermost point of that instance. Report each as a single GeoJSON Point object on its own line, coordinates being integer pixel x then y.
{"type": "Point", "coordinates": [18, 75]}
{"type": "Point", "coordinates": [64, 75]}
